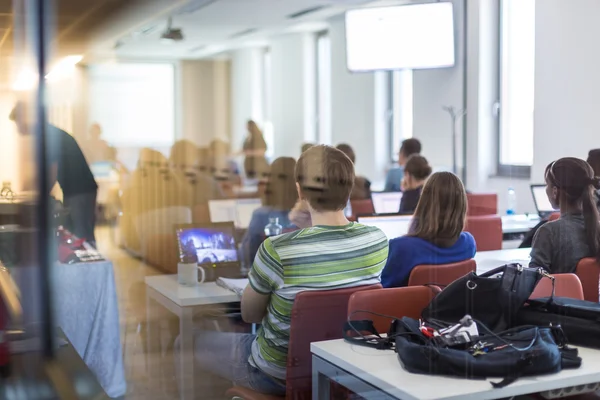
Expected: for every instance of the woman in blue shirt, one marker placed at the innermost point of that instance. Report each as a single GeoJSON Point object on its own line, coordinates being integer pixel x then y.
{"type": "Point", "coordinates": [279, 198]}
{"type": "Point", "coordinates": [436, 234]}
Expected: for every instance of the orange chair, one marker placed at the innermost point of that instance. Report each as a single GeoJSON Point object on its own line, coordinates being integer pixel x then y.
{"type": "Point", "coordinates": [316, 316]}
{"type": "Point", "coordinates": [362, 207]}
{"type": "Point", "coordinates": [482, 204]}
{"type": "Point", "coordinates": [394, 302]}
{"type": "Point", "coordinates": [554, 216]}
{"type": "Point", "coordinates": [443, 274]}
{"type": "Point", "coordinates": [565, 285]}
{"type": "Point", "coordinates": [588, 271]}
{"type": "Point", "coordinates": [487, 231]}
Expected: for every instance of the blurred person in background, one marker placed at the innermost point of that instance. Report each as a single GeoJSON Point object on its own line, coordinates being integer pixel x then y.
{"type": "Point", "coordinates": [594, 160]}
{"type": "Point", "coordinates": [362, 186]}
{"type": "Point", "coordinates": [396, 174]}
{"type": "Point", "coordinates": [306, 146]}
{"type": "Point", "coordinates": [95, 148]}
{"type": "Point", "coordinates": [254, 149]}
{"type": "Point", "coordinates": [278, 200]}
{"type": "Point", "coordinates": [416, 172]}
{"type": "Point", "coordinates": [68, 167]}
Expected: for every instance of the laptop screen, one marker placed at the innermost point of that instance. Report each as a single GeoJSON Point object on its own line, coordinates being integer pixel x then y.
{"type": "Point", "coordinates": [392, 226]}
{"type": "Point", "coordinates": [212, 244]}
{"type": "Point", "coordinates": [540, 198]}
{"type": "Point", "coordinates": [386, 203]}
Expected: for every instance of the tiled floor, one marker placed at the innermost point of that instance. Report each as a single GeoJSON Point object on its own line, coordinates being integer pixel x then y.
{"type": "Point", "coordinates": [129, 275]}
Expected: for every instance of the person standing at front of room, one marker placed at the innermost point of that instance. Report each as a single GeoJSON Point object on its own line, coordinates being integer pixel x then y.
{"type": "Point", "coordinates": [70, 169]}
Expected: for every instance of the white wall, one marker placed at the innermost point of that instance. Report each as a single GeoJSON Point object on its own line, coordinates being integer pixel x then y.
{"type": "Point", "coordinates": [353, 109]}
{"type": "Point", "coordinates": [567, 83]}
{"type": "Point", "coordinates": [246, 92]}
{"type": "Point", "coordinates": [205, 101]}
{"type": "Point", "coordinates": [293, 95]}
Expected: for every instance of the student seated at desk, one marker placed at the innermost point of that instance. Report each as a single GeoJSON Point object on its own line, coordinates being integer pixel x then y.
{"type": "Point", "coordinates": [332, 254]}
{"type": "Point", "coordinates": [395, 175]}
{"type": "Point", "coordinates": [559, 245]}
{"type": "Point", "coordinates": [279, 198]}
{"type": "Point", "coordinates": [416, 172]}
{"type": "Point", "coordinates": [362, 186]}
{"type": "Point", "coordinates": [436, 234]}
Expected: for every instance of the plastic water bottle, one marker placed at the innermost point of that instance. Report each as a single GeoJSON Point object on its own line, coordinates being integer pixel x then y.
{"type": "Point", "coordinates": [273, 228]}
{"type": "Point", "coordinates": [512, 202]}
{"type": "Point", "coordinates": [348, 210]}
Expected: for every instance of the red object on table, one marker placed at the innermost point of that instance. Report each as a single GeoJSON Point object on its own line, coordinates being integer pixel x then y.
{"type": "Point", "coordinates": [67, 244]}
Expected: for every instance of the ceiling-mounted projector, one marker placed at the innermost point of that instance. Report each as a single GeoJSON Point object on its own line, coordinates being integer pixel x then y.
{"type": "Point", "coordinates": [171, 34]}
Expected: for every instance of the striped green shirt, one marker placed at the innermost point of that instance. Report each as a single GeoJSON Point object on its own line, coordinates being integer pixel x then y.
{"type": "Point", "coordinates": [316, 258]}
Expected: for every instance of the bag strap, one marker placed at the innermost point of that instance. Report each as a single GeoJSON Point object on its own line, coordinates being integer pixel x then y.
{"type": "Point", "coordinates": [366, 326]}
{"type": "Point", "coordinates": [514, 374]}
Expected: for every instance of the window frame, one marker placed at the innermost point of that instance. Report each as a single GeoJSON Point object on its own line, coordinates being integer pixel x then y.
{"type": "Point", "coordinates": [320, 137]}
{"type": "Point", "coordinates": [504, 170]}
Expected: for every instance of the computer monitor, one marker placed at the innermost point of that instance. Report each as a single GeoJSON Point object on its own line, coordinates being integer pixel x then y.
{"type": "Point", "coordinates": [386, 202]}
{"type": "Point", "coordinates": [244, 210]}
{"type": "Point", "coordinates": [542, 203]}
{"type": "Point", "coordinates": [222, 210]}
{"type": "Point", "coordinates": [392, 226]}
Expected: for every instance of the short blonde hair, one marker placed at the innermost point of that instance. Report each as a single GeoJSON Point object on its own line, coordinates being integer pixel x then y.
{"type": "Point", "coordinates": [326, 177]}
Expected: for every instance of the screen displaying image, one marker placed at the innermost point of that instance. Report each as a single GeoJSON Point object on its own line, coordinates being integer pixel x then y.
{"type": "Point", "coordinates": [210, 245]}
{"type": "Point", "coordinates": [410, 36]}
{"type": "Point", "coordinates": [541, 199]}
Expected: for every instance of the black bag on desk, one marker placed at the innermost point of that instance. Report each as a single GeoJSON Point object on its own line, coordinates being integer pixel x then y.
{"type": "Point", "coordinates": [523, 351]}
{"type": "Point", "coordinates": [579, 319]}
{"type": "Point", "coordinates": [493, 298]}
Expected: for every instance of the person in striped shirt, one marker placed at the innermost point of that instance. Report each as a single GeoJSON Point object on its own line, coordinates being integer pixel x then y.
{"type": "Point", "coordinates": [331, 254]}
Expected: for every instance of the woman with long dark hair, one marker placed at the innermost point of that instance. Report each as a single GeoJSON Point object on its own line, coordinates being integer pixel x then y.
{"type": "Point", "coordinates": [559, 245]}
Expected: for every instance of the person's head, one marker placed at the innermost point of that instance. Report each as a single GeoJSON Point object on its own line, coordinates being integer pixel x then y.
{"type": "Point", "coordinates": [281, 192]}
{"type": "Point", "coordinates": [183, 155]}
{"type": "Point", "coordinates": [594, 160]}
{"type": "Point", "coordinates": [306, 146]}
{"type": "Point", "coordinates": [95, 131]}
{"type": "Point", "coordinates": [442, 209]}
{"type": "Point", "coordinates": [324, 178]}
{"type": "Point", "coordinates": [408, 148]}
{"type": "Point", "coordinates": [570, 184]}
{"type": "Point", "coordinates": [347, 150]}
{"type": "Point", "coordinates": [21, 116]}
{"type": "Point", "coordinates": [416, 170]}
{"type": "Point", "coordinates": [253, 128]}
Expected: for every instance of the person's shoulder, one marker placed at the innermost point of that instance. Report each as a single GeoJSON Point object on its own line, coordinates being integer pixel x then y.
{"type": "Point", "coordinates": [367, 229]}
{"type": "Point", "coordinates": [466, 237]}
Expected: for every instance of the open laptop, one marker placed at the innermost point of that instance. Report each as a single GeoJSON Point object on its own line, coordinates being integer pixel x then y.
{"type": "Point", "coordinates": [214, 245]}
{"type": "Point", "coordinates": [238, 211]}
{"type": "Point", "coordinates": [542, 204]}
{"type": "Point", "coordinates": [392, 226]}
{"type": "Point", "coordinates": [386, 202]}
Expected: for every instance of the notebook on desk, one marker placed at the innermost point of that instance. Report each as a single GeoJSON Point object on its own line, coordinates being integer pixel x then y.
{"type": "Point", "coordinates": [235, 285]}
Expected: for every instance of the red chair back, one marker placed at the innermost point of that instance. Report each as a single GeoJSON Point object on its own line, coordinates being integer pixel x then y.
{"type": "Point", "coordinates": [362, 207]}
{"type": "Point", "coordinates": [554, 216]}
{"type": "Point", "coordinates": [394, 302]}
{"type": "Point", "coordinates": [482, 204]}
{"type": "Point", "coordinates": [565, 285]}
{"type": "Point", "coordinates": [316, 316]}
{"type": "Point", "coordinates": [443, 274]}
{"type": "Point", "coordinates": [588, 271]}
{"type": "Point", "coordinates": [487, 231]}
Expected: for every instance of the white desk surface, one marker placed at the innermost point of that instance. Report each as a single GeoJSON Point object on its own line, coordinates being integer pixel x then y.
{"type": "Point", "coordinates": [487, 260]}
{"type": "Point", "coordinates": [519, 223]}
{"type": "Point", "coordinates": [382, 369]}
{"type": "Point", "coordinates": [200, 295]}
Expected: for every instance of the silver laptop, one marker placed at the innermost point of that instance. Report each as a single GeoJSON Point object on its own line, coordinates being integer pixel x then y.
{"type": "Point", "coordinates": [386, 202]}
{"type": "Point", "coordinates": [237, 211]}
{"type": "Point", "coordinates": [542, 203]}
{"type": "Point", "coordinates": [392, 226]}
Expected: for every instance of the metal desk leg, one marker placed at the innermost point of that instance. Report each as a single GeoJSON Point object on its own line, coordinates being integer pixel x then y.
{"type": "Point", "coordinates": [320, 381]}
{"type": "Point", "coordinates": [323, 372]}
{"type": "Point", "coordinates": [186, 358]}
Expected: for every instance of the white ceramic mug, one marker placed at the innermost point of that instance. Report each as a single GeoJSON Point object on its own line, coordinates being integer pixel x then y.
{"type": "Point", "coordinates": [187, 274]}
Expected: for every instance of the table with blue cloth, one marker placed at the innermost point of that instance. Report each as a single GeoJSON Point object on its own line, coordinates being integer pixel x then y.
{"type": "Point", "coordinates": [86, 309]}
